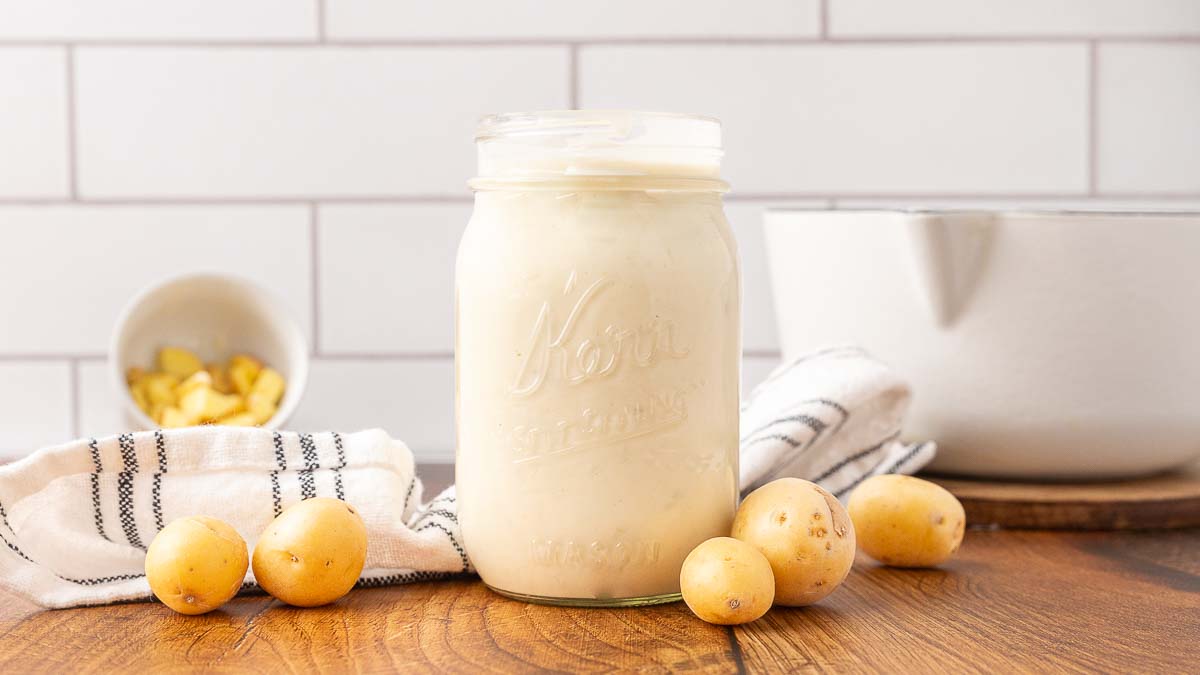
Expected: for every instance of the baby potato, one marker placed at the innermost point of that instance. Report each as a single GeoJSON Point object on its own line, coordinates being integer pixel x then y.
{"type": "Point", "coordinates": [312, 553]}
{"type": "Point", "coordinates": [196, 564]}
{"type": "Point", "coordinates": [178, 362]}
{"type": "Point", "coordinates": [726, 581]}
{"type": "Point", "coordinates": [805, 534]}
{"type": "Point", "coordinates": [906, 522]}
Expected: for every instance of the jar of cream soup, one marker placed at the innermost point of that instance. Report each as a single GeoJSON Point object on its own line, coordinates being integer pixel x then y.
{"type": "Point", "coordinates": [597, 355]}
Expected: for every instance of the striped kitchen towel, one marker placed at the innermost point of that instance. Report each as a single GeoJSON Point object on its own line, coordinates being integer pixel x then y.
{"type": "Point", "coordinates": [76, 519]}
{"type": "Point", "coordinates": [833, 417]}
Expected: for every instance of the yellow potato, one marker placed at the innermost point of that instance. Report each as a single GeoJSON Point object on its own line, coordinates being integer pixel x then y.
{"type": "Point", "coordinates": [726, 581]}
{"type": "Point", "coordinates": [138, 391]}
{"type": "Point", "coordinates": [178, 362]}
{"type": "Point", "coordinates": [196, 564]}
{"type": "Point", "coordinates": [242, 419]}
{"type": "Point", "coordinates": [173, 418]}
{"type": "Point", "coordinates": [804, 533]}
{"type": "Point", "coordinates": [906, 522]}
{"type": "Point", "coordinates": [243, 370]}
{"type": "Point", "coordinates": [159, 388]}
{"type": "Point", "coordinates": [197, 380]}
{"type": "Point", "coordinates": [269, 385]}
{"type": "Point", "coordinates": [204, 404]}
{"type": "Point", "coordinates": [134, 374]}
{"type": "Point", "coordinates": [312, 553]}
{"type": "Point", "coordinates": [262, 409]}
{"type": "Point", "coordinates": [220, 379]}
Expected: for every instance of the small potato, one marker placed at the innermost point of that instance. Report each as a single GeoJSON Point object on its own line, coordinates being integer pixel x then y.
{"type": "Point", "coordinates": [727, 582]}
{"type": "Point", "coordinates": [205, 404]}
{"type": "Point", "coordinates": [178, 362]}
{"type": "Point", "coordinates": [173, 418]}
{"type": "Point", "coordinates": [269, 385]}
{"type": "Point", "coordinates": [312, 553]}
{"type": "Point", "coordinates": [243, 370]}
{"type": "Point", "coordinates": [906, 522]}
{"type": "Point", "coordinates": [242, 419]}
{"type": "Point", "coordinates": [220, 378]}
{"type": "Point", "coordinates": [196, 564]}
{"type": "Point", "coordinates": [804, 533]}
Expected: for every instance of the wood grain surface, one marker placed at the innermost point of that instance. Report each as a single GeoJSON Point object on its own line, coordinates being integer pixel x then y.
{"type": "Point", "coordinates": [1165, 501]}
{"type": "Point", "coordinates": [1010, 601]}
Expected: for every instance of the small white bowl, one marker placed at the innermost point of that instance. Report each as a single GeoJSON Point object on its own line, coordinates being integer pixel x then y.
{"type": "Point", "coordinates": [215, 316]}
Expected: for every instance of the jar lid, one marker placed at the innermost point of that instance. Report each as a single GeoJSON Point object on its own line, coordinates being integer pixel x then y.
{"type": "Point", "coordinates": [598, 143]}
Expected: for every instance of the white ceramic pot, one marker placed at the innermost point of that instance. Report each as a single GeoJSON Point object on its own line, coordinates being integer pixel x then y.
{"type": "Point", "coordinates": [214, 316]}
{"type": "Point", "coordinates": [1058, 345]}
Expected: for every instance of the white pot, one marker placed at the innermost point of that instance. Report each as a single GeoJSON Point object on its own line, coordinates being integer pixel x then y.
{"type": "Point", "coordinates": [1040, 345]}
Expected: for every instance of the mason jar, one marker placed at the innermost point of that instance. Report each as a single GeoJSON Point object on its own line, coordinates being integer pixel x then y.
{"type": "Point", "coordinates": [597, 355]}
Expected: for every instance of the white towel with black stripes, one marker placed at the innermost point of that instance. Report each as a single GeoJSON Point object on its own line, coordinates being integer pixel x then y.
{"type": "Point", "coordinates": [75, 519]}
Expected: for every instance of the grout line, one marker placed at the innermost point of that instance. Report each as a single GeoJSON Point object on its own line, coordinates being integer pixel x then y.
{"type": "Point", "coordinates": [1092, 117]}
{"type": "Point", "coordinates": [72, 123]}
{"type": "Point", "coordinates": [320, 20]}
{"type": "Point", "coordinates": [315, 283]}
{"type": "Point", "coordinates": [761, 354]}
{"type": "Point", "coordinates": [76, 413]}
{"type": "Point", "coordinates": [240, 200]}
{"type": "Point", "coordinates": [823, 19]}
{"type": "Point", "coordinates": [467, 199]}
{"type": "Point", "coordinates": [52, 357]}
{"type": "Point", "coordinates": [573, 76]}
{"type": "Point", "coordinates": [648, 40]}
{"type": "Point", "coordinates": [384, 356]}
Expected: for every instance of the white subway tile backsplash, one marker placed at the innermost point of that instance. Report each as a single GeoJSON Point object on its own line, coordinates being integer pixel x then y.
{"type": "Point", "coordinates": [158, 19]}
{"type": "Point", "coordinates": [298, 122]}
{"type": "Point", "coordinates": [918, 118]}
{"type": "Point", "coordinates": [1149, 118]}
{"type": "Point", "coordinates": [33, 122]}
{"type": "Point", "coordinates": [35, 406]}
{"type": "Point", "coordinates": [961, 18]}
{"type": "Point", "coordinates": [758, 309]}
{"type": "Point", "coordinates": [460, 19]}
{"type": "Point", "coordinates": [67, 271]}
{"type": "Point", "coordinates": [754, 370]}
{"type": "Point", "coordinates": [100, 410]}
{"type": "Point", "coordinates": [387, 277]}
{"type": "Point", "coordinates": [411, 400]}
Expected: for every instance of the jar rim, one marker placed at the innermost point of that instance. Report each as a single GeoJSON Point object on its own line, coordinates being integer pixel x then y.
{"type": "Point", "coordinates": [579, 144]}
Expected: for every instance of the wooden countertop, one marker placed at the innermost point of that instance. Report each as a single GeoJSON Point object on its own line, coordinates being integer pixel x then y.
{"type": "Point", "coordinates": [1046, 601]}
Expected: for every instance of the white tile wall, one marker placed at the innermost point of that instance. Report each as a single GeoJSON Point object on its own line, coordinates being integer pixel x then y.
{"type": "Point", "coordinates": [961, 18]}
{"type": "Point", "coordinates": [412, 399]}
{"type": "Point", "coordinates": [33, 122]}
{"type": "Point", "coordinates": [158, 19]}
{"type": "Point", "coordinates": [402, 258]}
{"type": "Point", "coordinates": [1149, 118]}
{"type": "Point", "coordinates": [886, 119]}
{"type": "Point", "coordinates": [35, 398]}
{"type": "Point", "coordinates": [67, 271]}
{"type": "Point", "coordinates": [460, 19]}
{"type": "Point", "coordinates": [321, 147]}
{"type": "Point", "coordinates": [297, 122]}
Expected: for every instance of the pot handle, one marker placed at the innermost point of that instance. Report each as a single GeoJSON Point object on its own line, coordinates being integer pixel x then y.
{"type": "Point", "coordinates": [947, 253]}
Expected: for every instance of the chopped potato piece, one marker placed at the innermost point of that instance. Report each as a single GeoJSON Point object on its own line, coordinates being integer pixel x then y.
{"type": "Point", "coordinates": [220, 378]}
{"type": "Point", "coordinates": [269, 385]}
{"type": "Point", "coordinates": [173, 418]}
{"type": "Point", "coordinates": [178, 362]}
{"type": "Point", "coordinates": [199, 380]}
{"type": "Point", "coordinates": [242, 419]}
{"type": "Point", "coordinates": [138, 391]}
{"type": "Point", "coordinates": [243, 371]}
{"type": "Point", "coordinates": [204, 404]}
{"type": "Point", "coordinates": [262, 408]}
{"type": "Point", "coordinates": [245, 393]}
{"type": "Point", "coordinates": [160, 388]}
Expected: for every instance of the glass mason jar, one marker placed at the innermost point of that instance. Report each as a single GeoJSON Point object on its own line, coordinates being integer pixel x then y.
{"type": "Point", "coordinates": [597, 355]}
